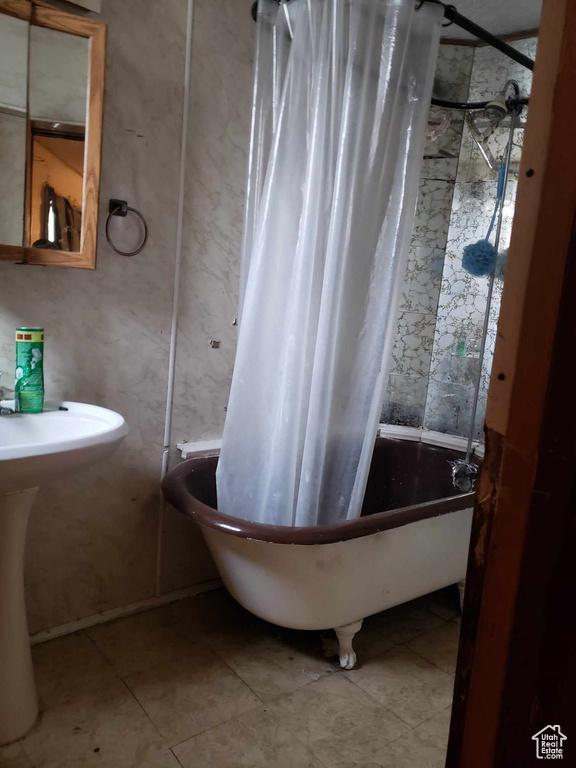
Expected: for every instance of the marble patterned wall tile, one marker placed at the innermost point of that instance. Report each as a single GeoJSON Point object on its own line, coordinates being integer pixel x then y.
{"type": "Point", "coordinates": [465, 301]}
{"type": "Point", "coordinates": [221, 92]}
{"type": "Point", "coordinates": [406, 393]}
{"type": "Point", "coordinates": [449, 409]}
{"type": "Point", "coordinates": [454, 337]}
{"type": "Point", "coordinates": [491, 70]}
{"type": "Point", "coordinates": [432, 213]}
{"type": "Point", "coordinates": [443, 134]}
{"type": "Point", "coordinates": [92, 537]}
{"type": "Point", "coordinates": [459, 365]}
{"type": "Point", "coordinates": [444, 125]}
{"type": "Point", "coordinates": [14, 35]}
{"type": "Point", "coordinates": [423, 280]}
{"type": "Point", "coordinates": [456, 314]}
{"type": "Point", "coordinates": [413, 344]}
{"type": "Point", "coordinates": [217, 161]}
{"type": "Point", "coordinates": [455, 364]}
{"type": "Point", "coordinates": [453, 69]}
{"type": "Point", "coordinates": [439, 168]}
{"type": "Point", "coordinates": [405, 400]}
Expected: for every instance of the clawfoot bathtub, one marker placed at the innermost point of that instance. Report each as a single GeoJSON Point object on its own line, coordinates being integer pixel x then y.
{"type": "Point", "coordinates": [412, 539]}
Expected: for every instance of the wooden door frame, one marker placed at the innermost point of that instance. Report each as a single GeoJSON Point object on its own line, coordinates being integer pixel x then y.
{"type": "Point", "coordinates": [518, 623]}
{"type": "Point", "coordinates": [38, 13]}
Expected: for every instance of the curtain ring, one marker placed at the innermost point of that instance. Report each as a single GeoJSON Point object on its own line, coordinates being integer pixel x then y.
{"type": "Point", "coordinates": [421, 3]}
{"type": "Point", "coordinates": [451, 8]}
{"type": "Point", "coordinates": [121, 208]}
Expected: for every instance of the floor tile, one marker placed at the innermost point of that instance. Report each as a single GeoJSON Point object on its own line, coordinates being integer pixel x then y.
{"type": "Point", "coordinates": [188, 696]}
{"type": "Point", "coordinates": [70, 666]}
{"type": "Point", "coordinates": [109, 732]}
{"type": "Point", "coordinates": [370, 641]}
{"type": "Point", "coordinates": [423, 747]}
{"type": "Point", "coordinates": [403, 622]}
{"type": "Point", "coordinates": [337, 721]}
{"type": "Point", "coordinates": [254, 740]}
{"type": "Point", "coordinates": [14, 756]}
{"type": "Point", "coordinates": [408, 685]}
{"type": "Point", "coordinates": [145, 640]}
{"type": "Point", "coordinates": [273, 661]}
{"type": "Point", "coordinates": [439, 646]}
{"type": "Point", "coordinates": [198, 672]}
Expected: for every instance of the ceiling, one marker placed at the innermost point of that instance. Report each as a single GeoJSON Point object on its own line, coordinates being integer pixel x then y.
{"type": "Point", "coordinates": [69, 151]}
{"type": "Point", "coordinates": [501, 17]}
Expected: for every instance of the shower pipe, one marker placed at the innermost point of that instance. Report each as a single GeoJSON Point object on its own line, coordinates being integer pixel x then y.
{"type": "Point", "coordinates": [453, 17]}
{"type": "Point", "coordinates": [482, 351]}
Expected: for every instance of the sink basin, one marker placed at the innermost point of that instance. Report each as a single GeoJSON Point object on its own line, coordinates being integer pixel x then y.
{"type": "Point", "coordinates": [34, 448]}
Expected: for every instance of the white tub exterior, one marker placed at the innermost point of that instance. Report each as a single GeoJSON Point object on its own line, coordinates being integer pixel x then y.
{"type": "Point", "coordinates": [324, 586]}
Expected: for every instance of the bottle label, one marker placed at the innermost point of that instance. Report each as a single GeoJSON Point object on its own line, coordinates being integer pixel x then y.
{"type": "Point", "coordinates": [29, 387]}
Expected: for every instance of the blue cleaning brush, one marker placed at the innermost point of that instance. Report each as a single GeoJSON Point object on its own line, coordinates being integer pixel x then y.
{"type": "Point", "coordinates": [480, 258]}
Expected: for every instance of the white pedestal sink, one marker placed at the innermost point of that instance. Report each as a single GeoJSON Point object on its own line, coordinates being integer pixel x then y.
{"type": "Point", "coordinates": [34, 447]}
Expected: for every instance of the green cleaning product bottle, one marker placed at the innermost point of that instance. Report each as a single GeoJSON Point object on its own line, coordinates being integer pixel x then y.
{"type": "Point", "coordinates": [29, 387]}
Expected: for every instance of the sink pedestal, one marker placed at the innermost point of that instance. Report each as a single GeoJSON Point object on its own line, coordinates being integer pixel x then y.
{"type": "Point", "coordinates": [34, 446]}
{"type": "Point", "coordinates": [18, 701]}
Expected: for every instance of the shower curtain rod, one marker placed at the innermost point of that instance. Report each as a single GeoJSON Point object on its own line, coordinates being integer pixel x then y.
{"type": "Point", "coordinates": [451, 13]}
{"type": "Point", "coordinates": [453, 17]}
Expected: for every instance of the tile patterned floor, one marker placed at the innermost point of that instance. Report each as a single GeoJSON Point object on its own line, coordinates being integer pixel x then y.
{"type": "Point", "coordinates": [202, 683]}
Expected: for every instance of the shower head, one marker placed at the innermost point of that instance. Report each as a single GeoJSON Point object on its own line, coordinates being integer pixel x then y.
{"type": "Point", "coordinates": [502, 103]}
{"type": "Point", "coordinates": [496, 109]}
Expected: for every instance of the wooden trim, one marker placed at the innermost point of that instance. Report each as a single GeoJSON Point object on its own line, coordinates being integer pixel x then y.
{"type": "Point", "coordinates": [21, 9]}
{"type": "Point", "coordinates": [42, 15]}
{"type": "Point", "coordinates": [543, 636]}
{"type": "Point", "coordinates": [510, 504]}
{"type": "Point", "coordinates": [95, 31]}
{"type": "Point", "coordinates": [12, 253]}
{"type": "Point", "coordinates": [51, 18]}
{"type": "Point", "coordinates": [51, 258]}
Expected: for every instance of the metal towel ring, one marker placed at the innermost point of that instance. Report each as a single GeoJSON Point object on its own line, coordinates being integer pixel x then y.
{"type": "Point", "coordinates": [121, 208]}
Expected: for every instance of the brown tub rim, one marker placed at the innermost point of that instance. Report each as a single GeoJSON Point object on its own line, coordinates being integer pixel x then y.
{"type": "Point", "coordinates": [176, 493]}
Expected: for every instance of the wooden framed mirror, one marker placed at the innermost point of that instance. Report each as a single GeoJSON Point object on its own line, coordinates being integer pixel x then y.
{"type": "Point", "coordinates": [51, 104]}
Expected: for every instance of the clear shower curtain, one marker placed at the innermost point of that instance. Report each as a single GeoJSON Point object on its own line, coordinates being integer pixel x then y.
{"type": "Point", "coordinates": [341, 97]}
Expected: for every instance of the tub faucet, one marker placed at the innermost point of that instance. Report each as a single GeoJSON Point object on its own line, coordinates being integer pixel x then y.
{"type": "Point", "coordinates": [464, 474]}
{"type": "Point", "coordinates": [3, 396]}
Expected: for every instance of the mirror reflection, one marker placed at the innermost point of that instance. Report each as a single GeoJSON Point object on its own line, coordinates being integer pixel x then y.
{"type": "Point", "coordinates": [13, 98]}
{"type": "Point", "coordinates": [58, 92]}
{"type": "Point", "coordinates": [56, 188]}
{"type": "Point", "coordinates": [43, 110]}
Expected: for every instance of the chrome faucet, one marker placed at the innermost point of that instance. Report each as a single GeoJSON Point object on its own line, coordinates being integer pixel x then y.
{"type": "Point", "coordinates": [4, 410]}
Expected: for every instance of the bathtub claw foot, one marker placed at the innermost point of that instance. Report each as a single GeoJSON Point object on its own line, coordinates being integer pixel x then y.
{"type": "Point", "coordinates": [348, 660]}
{"type": "Point", "coordinates": [461, 590]}
{"type": "Point", "coordinates": [345, 636]}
